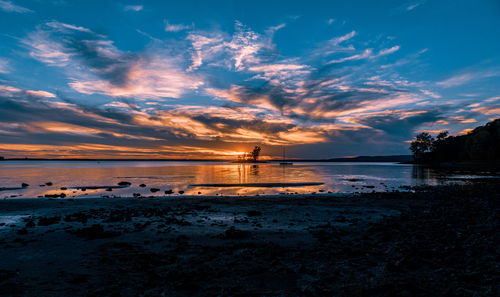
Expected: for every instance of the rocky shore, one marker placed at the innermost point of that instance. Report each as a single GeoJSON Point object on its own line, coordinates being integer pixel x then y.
{"type": "Point", "coordinates": [433, 241]}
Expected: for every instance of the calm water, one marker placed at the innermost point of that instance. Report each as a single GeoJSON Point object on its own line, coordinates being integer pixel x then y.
{"type": "Point", "coordinates": [177, 176]}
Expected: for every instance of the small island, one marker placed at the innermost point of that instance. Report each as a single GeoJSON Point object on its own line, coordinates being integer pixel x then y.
{"type": "Point", "coordinates": [251, 157]}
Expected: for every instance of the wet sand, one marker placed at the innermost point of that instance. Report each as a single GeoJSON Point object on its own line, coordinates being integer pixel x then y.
{"type": "Point", "coordinates": [438, 241]}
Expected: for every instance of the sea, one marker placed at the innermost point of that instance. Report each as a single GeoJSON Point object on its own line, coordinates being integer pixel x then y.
{"type": "Point", "coordinates": [82, 179]}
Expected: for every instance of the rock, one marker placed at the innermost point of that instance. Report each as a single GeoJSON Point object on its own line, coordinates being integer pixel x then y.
{"type": "Point", "coordinates": [124, 184]}
{"type": "Point", "coordinates": [46, 221]}
{"type": "Point", "coordinates": [136, 194]}
{"type": "Point", "coordinates": [77, 217]}
{"type": "Point", "coordinates": [24, 185]}
{"type": "Point", "coordinates": [48, 184]}
{"type": "Point", "coordinates": [181, 192]}
{"type": "Point", "coordinates": [253, 213]}
{"type": "Point", "coordinates": [169, 192]}
{"type": "Point", "coordinates": [142, 185]}
{"type": "Point", "coordinates": [64, 188]}
{"type": "Point", "coordinates": [340, 219]}
{"type": "Point", "coordinates": [62, 195]}
{"type": "Point", "coordinates": [95, 231]}
{"type": "Point", "coordinates": [233, 233]}
{"type": "Point", "coordinates": [109, 189]}
{"type": "Point", "coordinates": [354, 180]}
{"type": "Point", "coordinates": [154, 190]}
{"type": "Point", "coordinates": [23, 231]}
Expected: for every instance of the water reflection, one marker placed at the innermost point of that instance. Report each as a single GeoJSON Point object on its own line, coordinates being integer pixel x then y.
{"type": "Point", "coordinates": [422, 175]}
{"type": "Point", "coordinates": [177, 176]}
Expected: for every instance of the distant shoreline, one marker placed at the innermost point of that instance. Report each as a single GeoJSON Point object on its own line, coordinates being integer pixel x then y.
{"type": "Point", "coordinates": [393, 159]}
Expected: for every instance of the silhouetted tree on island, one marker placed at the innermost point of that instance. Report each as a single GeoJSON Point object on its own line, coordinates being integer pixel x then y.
{"type": "Point", "coordinates": [482, 143]}
{"type": "Point", "coordinates": [255, 153]}
{"type": "Point", "coordinates": [252, 156]}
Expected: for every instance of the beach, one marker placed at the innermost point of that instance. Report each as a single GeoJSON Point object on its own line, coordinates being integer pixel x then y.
{"type": "Point", "coordinates": [431, 241]}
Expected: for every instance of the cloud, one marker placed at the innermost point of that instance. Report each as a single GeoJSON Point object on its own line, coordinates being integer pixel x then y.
{"type": "Point", "coordinates": [388, 51]}
{"type": "Point", "coordinates": [45, 50]}
{"type": "Point", "coordinates": [4, 66]}
{"type": "Point", "coordinates": [335, 45]}
{"type": "Point", "coordinates": [403, 127]}
{"type": "Point", "coordinates": [408, 6]}
{"type": "Point", "coordinates": [127, 130]}
{"type": "Point", "coordinates": [465, 131]}
{"type": "Point", "coordinates": [42, 94]}
{"type": "Point", "coordinates": [490, 109]}
{"type": "Point", "coordinates": [414, 5]}
{"type": "Point", "coordinates": [8, 6]}
{"type": "Point", "coordinates": [456, 80]}
{"type": "Point", "coordinates": [49, 123]}
{"type": "Point", "coordinates": [364, 55]}
{"type": "Point", "coordinates": [468, 77]}
{"type": "Point", "coordinates": [326, 97]}
{"type": "Point", "coordinates": [176, 27]}
{"type": "Point", "coordinates": [267, 99]}
{"type": "Point", "coordinates": [204, 47]}
{"type": "Point", "coordinates": [492, 99]}
{"type": "Point", "coordinates": [338, 40]}
{"type": "Point", "coordinates": [9, 91]}
{"type": "Point", "coordinates": [97, 150]}
{"type": "Point", "coordinates": [96, 65]}
{"type": "Point", "coordinates": [154, 78]}
{"type": "Point", "coordinates": [133, 7]}
{"type": "Point", "coordinates": [431, 94]}
{"type": "Point", "coordinates": [62, 27]}
{"type": "Point", "coordinates": [280, 71]}
{"type": "Point", "coordinates": [243, 49]}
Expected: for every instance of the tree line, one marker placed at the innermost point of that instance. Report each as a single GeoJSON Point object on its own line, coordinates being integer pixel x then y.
{"type": "Point", "coordinates": [482, 143]}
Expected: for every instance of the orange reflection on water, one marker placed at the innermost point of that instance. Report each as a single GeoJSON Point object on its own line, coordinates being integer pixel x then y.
{"type": "Point", "coordinates": [175, 176]}
{"type": "Point", "coordinates": [181, 176]}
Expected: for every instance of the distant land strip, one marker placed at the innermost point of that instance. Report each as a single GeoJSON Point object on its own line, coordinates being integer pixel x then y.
{"type": "Point", "coordinates": [392, 158]}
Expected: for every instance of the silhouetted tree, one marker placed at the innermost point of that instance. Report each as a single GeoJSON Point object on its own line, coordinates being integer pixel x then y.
{"type": "Point", "coordinates": [437, 145]}
{"type": "Point", "coordinates": [482, 143]}
{"type": "Point", "coordinates": [255, 153]}
{"type": "Point", "coordinates": [421, 145]}
{"type": "Point", "coordinates": [442, 135]}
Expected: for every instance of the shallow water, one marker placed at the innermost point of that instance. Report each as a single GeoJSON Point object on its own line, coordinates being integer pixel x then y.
{"type": "Point", "coordinates": [181, 176]}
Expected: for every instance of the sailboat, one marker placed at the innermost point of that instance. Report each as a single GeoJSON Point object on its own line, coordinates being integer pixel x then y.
{"type": "Point", "coordinates": [285, 162]}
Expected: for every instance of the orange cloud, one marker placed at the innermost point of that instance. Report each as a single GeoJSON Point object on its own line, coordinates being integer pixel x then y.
{"type": "Point", "coordinates": [112, 151]}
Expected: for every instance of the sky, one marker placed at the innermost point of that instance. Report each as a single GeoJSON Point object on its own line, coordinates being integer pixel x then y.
{"type": "Point", "coordinates": [212, 79]}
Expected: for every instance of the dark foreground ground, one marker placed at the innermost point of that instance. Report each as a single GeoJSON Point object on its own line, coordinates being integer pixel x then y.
{"type": "Point", "coordinates": [440, 241]}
